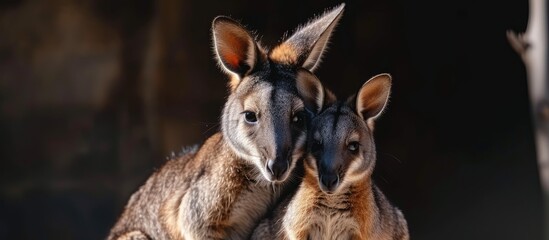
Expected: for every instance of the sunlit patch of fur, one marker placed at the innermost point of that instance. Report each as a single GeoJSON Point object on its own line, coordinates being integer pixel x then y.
{"type": "Point", "coordinates": [284, 54]}
{"type": "Point", "coordinates": [311, 167]}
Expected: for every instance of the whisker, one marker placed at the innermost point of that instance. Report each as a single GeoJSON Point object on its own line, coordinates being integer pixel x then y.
{"type": "Point", "coordinates": [210, 128]}
{"type": "Point", "coordinates": [385, 180]}
{"type": "Point", "coordinates": [392, 156]}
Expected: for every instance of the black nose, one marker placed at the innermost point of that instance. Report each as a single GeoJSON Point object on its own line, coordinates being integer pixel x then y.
{"type": "Point", "coordinates": [329, 181]}
{"type": "Point", "coordinates": [277, 167]}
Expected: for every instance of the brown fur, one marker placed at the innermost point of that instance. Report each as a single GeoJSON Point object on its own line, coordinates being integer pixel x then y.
{"type": "Point", "coordinates": [355, 214]}
{"type": "Point", "coordinates": [167, 191]}
{"type": "Point", "coordinates": [284, 54]}
{"type": "Point", "coordinates": [222, 190]}
{"type": "Point", "coordinates": [355, 208]}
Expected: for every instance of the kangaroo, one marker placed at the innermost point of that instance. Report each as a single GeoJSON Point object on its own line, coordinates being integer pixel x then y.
{"type": "Point", "coordinates": [224, 188]}
{"type": "Point", "coordinates": [337, 198]}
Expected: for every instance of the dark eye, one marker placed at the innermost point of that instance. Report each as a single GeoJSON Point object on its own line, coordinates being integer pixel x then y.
{"type": "Point", "coordinates": [299, 119]}
{"type": "Point", "coordinates": [250, 117]}
{"type": "Point", "coordinates": [353, 147]}
{"type": "Point", "coordinates": [317, 145]}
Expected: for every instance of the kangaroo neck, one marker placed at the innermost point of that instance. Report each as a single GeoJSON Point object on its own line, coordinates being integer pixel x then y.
{"type": "Point", "coordinates": [353, 196]}
{"type": "Point", "coordinates": [216, 151]}
{"type": "Point", "coordinates": [357, 199]}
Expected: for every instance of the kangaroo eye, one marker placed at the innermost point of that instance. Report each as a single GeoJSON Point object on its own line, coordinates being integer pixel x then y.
{"type": "Point", "coordinates": [299, 119]}
{"type": "Point", "coordinates": [250, 117]}
{"type": "Point", "coordinates": [353, 147]}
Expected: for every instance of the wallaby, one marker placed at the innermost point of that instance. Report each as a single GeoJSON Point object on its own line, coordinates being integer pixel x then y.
{"type": "Point", "coordinates": [337, 198]}
{"type": "Point", "coordinates": [223, 189]}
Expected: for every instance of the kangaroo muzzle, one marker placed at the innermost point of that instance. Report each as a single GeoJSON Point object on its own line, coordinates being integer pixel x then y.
{"type": "Point", "coordinates": [278, 167]}
{"type": "Point", "coordinates": [329, 182]}
{"type": "Point", "coordinates": [328, 175]}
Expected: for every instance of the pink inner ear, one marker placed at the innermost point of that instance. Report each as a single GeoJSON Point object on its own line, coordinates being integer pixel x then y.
{"type": "Point", "coordinates": [231, 59]}
{"type": "Point", "coordinates": [233, 49]}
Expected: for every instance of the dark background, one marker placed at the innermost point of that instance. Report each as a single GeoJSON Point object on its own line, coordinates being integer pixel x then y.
{"type": "Point", "coordinates": [95, 94]}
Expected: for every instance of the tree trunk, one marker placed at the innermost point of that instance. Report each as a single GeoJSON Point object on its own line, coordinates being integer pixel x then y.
{"type": "Point", "coordinates": [532, 47]}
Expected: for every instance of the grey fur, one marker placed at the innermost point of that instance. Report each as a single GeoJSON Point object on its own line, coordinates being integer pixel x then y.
{"type": "Point", "coordinates": [355, 208]}
{"type": "Point", "coordinates": [222, 190]}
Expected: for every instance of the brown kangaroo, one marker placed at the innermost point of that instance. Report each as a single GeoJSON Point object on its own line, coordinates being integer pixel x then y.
{"type": "Point", "coordinates": [223, 189]}
{"type": "Point", "coordinates": [337, 198]}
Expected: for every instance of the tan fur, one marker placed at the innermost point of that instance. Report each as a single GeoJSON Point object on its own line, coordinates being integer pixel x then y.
{"type": "Point", "coordinates": [170, 215]}
{"type": "Point", "coordinates": [355, 208]}
{"type": "Point", "coordinates": [223, 189]}
{"type": "Point", "coordinates": [233, 82]}
{"type": "Point", "coordinates": [313, 214]}
{"type": "Point", "coordinates": [171, 194]}
{"type": "Point", "coordinates": [284, 54]}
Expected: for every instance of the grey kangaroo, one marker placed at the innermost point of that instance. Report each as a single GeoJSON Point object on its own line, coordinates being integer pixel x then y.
{"type": "Point", "coordinates": [223, 189]}
{"type": "Point", "coordinates": [337, 198]}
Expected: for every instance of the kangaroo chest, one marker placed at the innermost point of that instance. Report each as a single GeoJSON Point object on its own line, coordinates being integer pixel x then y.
{"type": "Point", "coordinates": [310, 216]}
{"type": "Point", "coordinates": [314, 215]}
{"type": "Point", "coordinates": [332, 220]}
{"type": "Point", "coordinates": [250, 206]}
{"type": "Point", "coordinates": [229, 202]}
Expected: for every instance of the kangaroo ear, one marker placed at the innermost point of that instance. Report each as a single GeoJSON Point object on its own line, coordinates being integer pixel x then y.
{"type": "Point", "coordinates": [310, 89]}
{"type": "Point", "coordinates": [305, 47]}
{"type": "Point", "coordinates": [235, 48]}
{"type": "Point", "coordinates": [373, 97]}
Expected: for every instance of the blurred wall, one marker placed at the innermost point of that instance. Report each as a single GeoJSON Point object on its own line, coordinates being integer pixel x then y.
{"type": "Point", "coordinates": [95, 94]}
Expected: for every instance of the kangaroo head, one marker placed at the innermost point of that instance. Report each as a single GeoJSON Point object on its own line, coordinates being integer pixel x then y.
{"type": "Point", "coordinates": [273, 93]}
{"type": "Point", "coordinates": [342, 149]}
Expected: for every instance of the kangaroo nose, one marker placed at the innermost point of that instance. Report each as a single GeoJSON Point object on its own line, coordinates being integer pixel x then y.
{"type": "Point", "coordinates": [277, 167]}
{"type": "Point", "coordinates": [330, 181]}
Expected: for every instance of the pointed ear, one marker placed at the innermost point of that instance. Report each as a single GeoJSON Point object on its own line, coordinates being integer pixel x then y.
{"type": "Point", "coordinates": [310, 89]}
{"type": "Point", "coordinates": [373, 97]}
{"type": "Point", "coordinates": [305, 47]}
{"type": "Point", "coordinates": [235, 48]}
